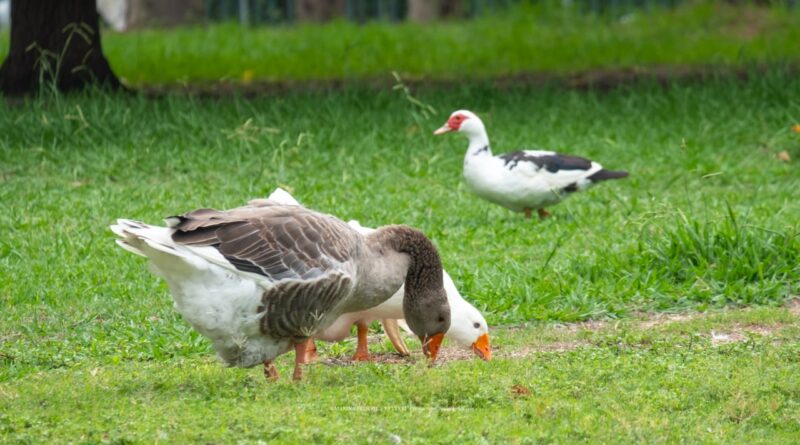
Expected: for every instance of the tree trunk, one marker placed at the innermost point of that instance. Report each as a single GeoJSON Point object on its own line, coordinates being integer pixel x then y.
{"type": "Point", "coordinates": [54, 43]}
{"type": "Point", "coordinates": [319, 10]}
{"type": "Point", "coordinates": [423, 11]}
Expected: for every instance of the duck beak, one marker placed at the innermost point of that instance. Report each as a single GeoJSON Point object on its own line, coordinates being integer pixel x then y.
{"type": "Point", "coordinates": [482, 348]}
{"type": "Point", "coordinates": [431, 344]}
{"type": "Point", "coordinates": [443, 129]}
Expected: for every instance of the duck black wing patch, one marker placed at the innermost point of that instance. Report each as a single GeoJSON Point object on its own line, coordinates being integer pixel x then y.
{"type": "Point", "coordinates": [550, 162]}
{"type": "Point", "coordinates": [605, 175]}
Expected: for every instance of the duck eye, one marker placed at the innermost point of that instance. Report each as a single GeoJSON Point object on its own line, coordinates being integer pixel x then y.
{"type": "Point", "coordinates": [476, 325]}
{"type": "Point", "coordinates": [441, 319]}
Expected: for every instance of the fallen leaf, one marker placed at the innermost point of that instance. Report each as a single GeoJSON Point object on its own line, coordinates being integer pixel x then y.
{"type": "Point", "coordinates": [784, 156]}
{"type": "Point", "coordinates": [520, 391]}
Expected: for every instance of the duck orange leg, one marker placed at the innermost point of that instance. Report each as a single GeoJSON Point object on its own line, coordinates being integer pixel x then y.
{"type": "Point", "coordinates": [527, 213]}
{"type": "Point", "coordinates": [362, 350]}
{"type": "Point", "coordinates": [543, 213]}
{"type": "Point", "coordinates": [270, 372]}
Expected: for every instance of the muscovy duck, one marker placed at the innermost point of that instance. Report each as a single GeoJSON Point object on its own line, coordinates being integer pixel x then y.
{"type": "Point", "coordinates": [524, 180]}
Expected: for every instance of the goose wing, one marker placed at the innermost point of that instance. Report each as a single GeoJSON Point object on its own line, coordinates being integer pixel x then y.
{"type": "Point", "coordinates": [308, 258]}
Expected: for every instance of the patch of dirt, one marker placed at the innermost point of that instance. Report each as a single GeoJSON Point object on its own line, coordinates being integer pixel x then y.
{"type": "Point", "coordinates": [794, 305]}
{"type": "Point", "coordinates": [448, 354]}
{"type": "Point", "coordinates": [722, 338]}
{"type": "Point", "coordinates": [10, 336]}
{"type": "Point", "coordinates": [382, 358]}
{"type": "Point", "coordinates": [560, 346]}
{"type": "Point", "coordinates": [736, 332]}
{"type": "Point", "coordinates": [647, 320]}
{"type": "Point", "coordinates": [739, 332]}
{"type": "Point", "coordinates": [662, 319]}
{"type": "Point", "coordinates": [590, 325]}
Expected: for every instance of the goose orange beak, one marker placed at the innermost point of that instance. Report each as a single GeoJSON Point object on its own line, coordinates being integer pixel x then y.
{"type": "Point", "coordinates": [443, 129]}
{"type": "Point", "coordinates": [482, 347]}
{"type": "Point", "coordinates": [431, 344]}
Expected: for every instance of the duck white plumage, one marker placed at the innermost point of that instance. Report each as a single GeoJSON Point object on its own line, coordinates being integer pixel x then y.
{"type": "Point", "coordinates": [524, 180]}
{"type": "Point", "coordinates": [259, 279]}
{"type": "Point", "coordinates": [468, 327]}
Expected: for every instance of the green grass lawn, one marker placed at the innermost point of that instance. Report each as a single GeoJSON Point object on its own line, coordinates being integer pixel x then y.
{"type": "Point", "coordinates": [518, 41]}
{"type": "Point", "coordinates": [91, 349]}
{"type": "Point", "coordinates": [627, 382]}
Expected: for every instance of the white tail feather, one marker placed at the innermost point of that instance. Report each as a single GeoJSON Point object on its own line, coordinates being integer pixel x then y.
{"type": "Point", "coordinates": [143, 239]}
{"type": "Point", "coordinates": [130, 248]}
{"type": "Point", "coordinates": [156, 243]}
{"type": "Point", "coordinates": [118, 230]}
{"type": "Point", "coordinates": [281, 196]}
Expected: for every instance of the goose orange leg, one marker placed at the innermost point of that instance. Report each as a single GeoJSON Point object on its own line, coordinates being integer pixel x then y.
{"type": "Point", "coordinates": [543, 213]}
{"type": "Point", "coordinates": [311, 352]}
{"type": "Point", "coordinates": [300, 351]}
{"type": "Point", "coordinates": [362, 350]}
{"type": "Point", "coordinates": [527, 213]}
{"type": "Point", "coordinates": [270, 372]}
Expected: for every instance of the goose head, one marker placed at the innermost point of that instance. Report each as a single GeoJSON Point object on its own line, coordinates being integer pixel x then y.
{"type": "Point", "coordinates": [425, 304]}
{"type": "Point", "coordinates": [428, 315]}
{"type": "Point", "coordinates": [463, 121]}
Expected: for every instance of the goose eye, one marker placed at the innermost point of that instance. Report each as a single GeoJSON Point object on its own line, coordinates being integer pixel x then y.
{"type": "Point", "coordinates": [441, 319]}
{"type": "Point", "coordinates": [476, 325]}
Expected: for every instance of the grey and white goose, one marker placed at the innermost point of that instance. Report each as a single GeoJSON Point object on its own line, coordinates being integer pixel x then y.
{"type": "Point", "coordinates": [260, 279]}
{"type": "Point", "coordinates": [523, 180]}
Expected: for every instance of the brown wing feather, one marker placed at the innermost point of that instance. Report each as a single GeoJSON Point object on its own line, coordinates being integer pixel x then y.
{"type": "Point", "coordinates": [279, 242]}
{"type": "Point", "coordinates": [296, 308]}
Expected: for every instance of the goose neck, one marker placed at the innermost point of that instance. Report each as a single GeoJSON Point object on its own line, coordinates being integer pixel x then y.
{"type": "Point", "coordinates": [424, 270]}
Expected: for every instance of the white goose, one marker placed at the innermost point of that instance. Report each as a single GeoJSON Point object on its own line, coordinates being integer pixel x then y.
{"type": "Point", "coordinates": [468, 328]}
{"type": "Point", "coordinates": [522, 180]}
{"type": "Point", "coordinates": [260, 279]}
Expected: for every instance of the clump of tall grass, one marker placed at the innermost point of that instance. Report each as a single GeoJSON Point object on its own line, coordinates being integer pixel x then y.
{"type": "Point", "coordinates": [727, 260]}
